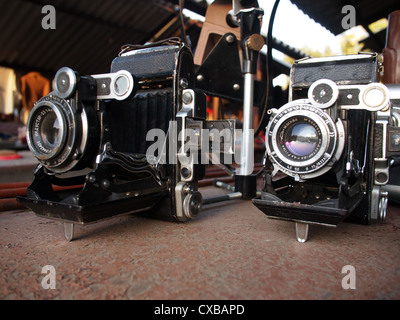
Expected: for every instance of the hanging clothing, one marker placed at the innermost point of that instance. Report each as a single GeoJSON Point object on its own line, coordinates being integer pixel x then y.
{"type": "Point", "coordinates": [33, 87]}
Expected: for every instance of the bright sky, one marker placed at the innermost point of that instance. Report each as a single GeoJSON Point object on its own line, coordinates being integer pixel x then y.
{"type": "Point", "coordinates": [296, 29]}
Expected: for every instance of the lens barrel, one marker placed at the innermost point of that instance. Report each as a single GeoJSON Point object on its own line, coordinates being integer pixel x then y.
{"type": "Point", "coordinates": [58, 135]}
{"type": "Point", "coordinates": [47, 130]}
{"type": "Point", "coordinates": [303, 140]}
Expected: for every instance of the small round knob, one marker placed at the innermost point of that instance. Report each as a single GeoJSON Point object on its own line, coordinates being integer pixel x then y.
{"type": "Point", "coordinates": [255, 42]}
{"type": "Point", "coordinates": [192, 205]}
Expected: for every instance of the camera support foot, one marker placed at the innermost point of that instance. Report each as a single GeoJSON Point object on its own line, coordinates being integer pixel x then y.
{"type": "Point", "coordinates": [69, 231]}
{"type": "Point", "coordinates": [301, 232]}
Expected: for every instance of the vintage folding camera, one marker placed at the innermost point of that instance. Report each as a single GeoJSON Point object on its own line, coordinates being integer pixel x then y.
{"type": "Point", "coordinates": [329, 148]}
{"type": "Point", "coordinates": [91, 137]}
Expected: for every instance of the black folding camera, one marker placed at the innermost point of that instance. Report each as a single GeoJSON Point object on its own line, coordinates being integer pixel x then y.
{"type": "Point", "coordinates": [328, 149]}
{"type": "Point", "coordinates": [92, 133]}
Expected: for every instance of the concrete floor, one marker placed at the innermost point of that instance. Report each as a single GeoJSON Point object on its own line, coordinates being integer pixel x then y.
{"type": "Point", "coordinates": [231, 251]}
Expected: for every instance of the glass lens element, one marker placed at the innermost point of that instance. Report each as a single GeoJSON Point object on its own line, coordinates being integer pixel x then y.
{"type": "Point", "coordinates": [50, 131]}
{"type": "Point", "coordinates": [301, 139]}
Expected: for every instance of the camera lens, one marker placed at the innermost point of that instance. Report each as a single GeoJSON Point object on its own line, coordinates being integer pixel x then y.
{"type": "Point", "coordinates": [58, 136]}
{"type": "Point", "coordinates": [50, 130]}
{"type": "Point", "coordinates": [46, 130]}
{"type": "Point", "coordinates": [301, 139]}
{"type": "Point", "coordinates": [63, 133]}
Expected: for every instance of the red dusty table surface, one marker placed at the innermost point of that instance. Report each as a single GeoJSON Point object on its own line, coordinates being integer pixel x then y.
{"type": "Point", "coordinates": [231, 251]}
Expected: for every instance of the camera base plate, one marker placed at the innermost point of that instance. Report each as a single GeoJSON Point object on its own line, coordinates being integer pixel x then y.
{"type": "Point", "coordinates": [86, 214]}
{"type": "Point", "coordinates": [301, 213]}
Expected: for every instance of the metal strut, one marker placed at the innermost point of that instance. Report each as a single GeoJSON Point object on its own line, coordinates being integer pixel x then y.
{"type": "Point", "coordinates": [251, 43]}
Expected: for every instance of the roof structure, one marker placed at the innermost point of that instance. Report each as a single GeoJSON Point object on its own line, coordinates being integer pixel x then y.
{"type": "Point", "coordinates": [89, 34]}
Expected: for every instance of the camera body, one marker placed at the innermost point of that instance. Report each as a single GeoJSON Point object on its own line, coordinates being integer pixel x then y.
{"type": "Point", "coordinates": [92, 134]}
{"type": "Point", "coordinates": [328, 149]}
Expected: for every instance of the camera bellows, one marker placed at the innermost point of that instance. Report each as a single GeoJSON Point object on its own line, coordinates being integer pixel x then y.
{"type": "Point", "coordinates": [145, 112]}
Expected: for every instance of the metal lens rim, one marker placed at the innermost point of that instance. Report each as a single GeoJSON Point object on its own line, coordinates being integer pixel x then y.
{"type": "Point", "coordinates": [32, 127]}
{"type": "Point", "coordinates": [331, 145]}
{"type": "Point", "coordinates": [379, 88]}
{"type": "Point", "coordinates": [128, 86]}
{"type": "Point", "coordinates": [335, 93]}
{"type": "Point", "coordinates": [72, 83]}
